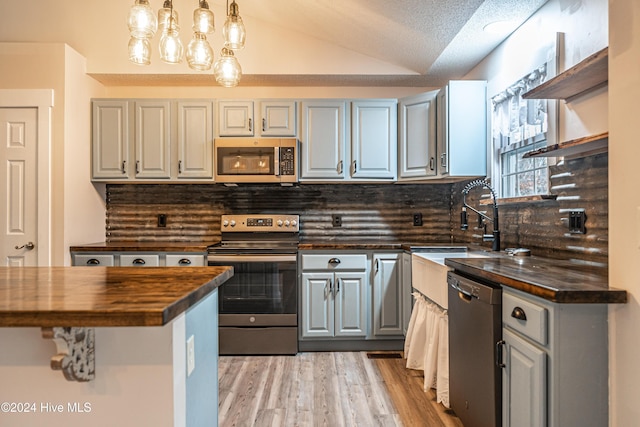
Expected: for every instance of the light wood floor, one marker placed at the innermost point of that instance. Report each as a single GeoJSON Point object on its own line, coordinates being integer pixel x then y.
{"type": "Point", "coordinates": [325, 389]}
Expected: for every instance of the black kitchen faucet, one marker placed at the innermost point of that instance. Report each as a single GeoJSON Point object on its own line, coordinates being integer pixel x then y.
{"type": "Point", "coordinates": [495, 237]}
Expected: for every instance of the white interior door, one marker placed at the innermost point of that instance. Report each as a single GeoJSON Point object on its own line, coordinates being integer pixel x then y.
{"type": "Point", "coordinates": [18, 192]}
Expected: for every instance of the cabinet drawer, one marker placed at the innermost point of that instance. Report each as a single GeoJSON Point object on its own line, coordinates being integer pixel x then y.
{"type": "Point", "coordinates": [139, 260]}
{"type": "Point", "coordinates": [340, 262]}
{"type": "Point", "coordinates": [94, 260]}
{"type": "Point", "coordinates": [525, 317]}
{"type": "Point", "coordinates": [185, 260]}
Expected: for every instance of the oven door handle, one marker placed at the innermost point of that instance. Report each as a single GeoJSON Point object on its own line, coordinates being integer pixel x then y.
{"type": "Point", "coordinates": [251, 258]}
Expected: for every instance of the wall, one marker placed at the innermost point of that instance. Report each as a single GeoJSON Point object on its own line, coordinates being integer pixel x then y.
{"type": "Point", "coordinates": [370, 213]}
{"type": "Point", "coordinates": [75, 202]}
{"type": "Point", "coordinates": [624, 208]}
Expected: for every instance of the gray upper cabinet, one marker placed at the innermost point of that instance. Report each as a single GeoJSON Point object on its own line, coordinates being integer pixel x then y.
{"type": "Point", "coordinates": [417, 133]}
{"type": "Point", "coordinates": [152, 140]}
{"type": "Point", "coordinates": [275, 118]}
{"type": "Point", "coordinates": [278, 118]}
{"type": "Point", "coordinates": [373, 140]}
{"type": "Point", "coordinates": [461, 129]}
{"type": "Point", "coordinates": [323, 139]}
{"type": "Point", "coordinates": [235, 118]}
{"type": "Point", "coordinates": [195, 140]}
{"type": "Point", "coordinates": [349, 141]}
{"type": "Point", "coordinates": [110, 140]}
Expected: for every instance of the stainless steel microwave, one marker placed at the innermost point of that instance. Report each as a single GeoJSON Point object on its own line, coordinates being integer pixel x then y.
{"type": "Point", "coordinates": [256, 160]}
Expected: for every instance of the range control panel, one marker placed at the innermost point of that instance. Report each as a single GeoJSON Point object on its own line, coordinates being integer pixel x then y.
{"type": "Point", "coordinates": [260, 223]}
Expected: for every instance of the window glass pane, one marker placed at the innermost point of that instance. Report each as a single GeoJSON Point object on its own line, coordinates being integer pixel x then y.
{"type": "Point", "coordinates": [541, 181]}
{"type": "Point", "coordinates": [526, 184]}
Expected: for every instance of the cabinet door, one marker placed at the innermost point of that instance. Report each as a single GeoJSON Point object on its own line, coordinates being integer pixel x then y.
{"type": "Point", "coordinates": [323, 139]}
{"type": "Point", "coordinates": [417, 144]}
{"type": "Point", "coordinates": [152, 139]}
{"type": "Point", "coordinates": [462, 129]}
{"type": "Point", "coordinates": [350, 304]}
{"type": "Point", "coordinates": [524, 386]}
{"type": "Point", "coordinates": [195, 139]}
{"type": "Point", "coordinates": [235, 118]}
{"type": "Point", "coordinates": [110, 140]}
{"type": "Point", "coordinates": [317, 311]}
{"type": "Point", "coordinates": [278, 118]}
{"type": "Point", "coordinates": [387, 299]}
{"type": "Point", "coordinates": [374, 140]}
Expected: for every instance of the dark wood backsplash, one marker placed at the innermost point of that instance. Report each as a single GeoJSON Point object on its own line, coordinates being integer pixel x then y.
{"type": "Point", "coordinates": [372, 213]}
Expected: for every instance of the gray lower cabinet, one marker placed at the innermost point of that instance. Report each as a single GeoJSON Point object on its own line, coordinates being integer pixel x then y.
{"type": "Point", "coordinates": [139, 259]}
{"type": "Point", "coordinates": [351, 295]}
{"type": "Point", "coordinates": [555, 363]}
{"type": "Point", "coordinates": [387, 294]}
{"type": "Point", "coordinates": [333, 295]}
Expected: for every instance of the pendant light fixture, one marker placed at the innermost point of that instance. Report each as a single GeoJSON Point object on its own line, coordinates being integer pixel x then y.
{"type": "Point", "coordinates": [233, 30]}
{"type": "Point", "coordinates": [227, 69]}
{"type": "Point", "coordinates": [143, 26]}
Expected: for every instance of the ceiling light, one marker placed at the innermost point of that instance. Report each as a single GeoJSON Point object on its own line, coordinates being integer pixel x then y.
{"type": "Point", "coordinates": [227, 69]}
{"type": "Point", "coordinates": [143, 26]}
{"type": "Point", "coordinates": [233, 30]}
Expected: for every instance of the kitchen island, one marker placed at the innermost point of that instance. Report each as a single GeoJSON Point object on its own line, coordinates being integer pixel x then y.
{"type": "Point", "coordinates": [140, 323]}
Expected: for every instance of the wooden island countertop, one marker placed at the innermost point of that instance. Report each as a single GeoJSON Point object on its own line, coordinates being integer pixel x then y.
{"type": "Point", "coordinates": [102, 296]}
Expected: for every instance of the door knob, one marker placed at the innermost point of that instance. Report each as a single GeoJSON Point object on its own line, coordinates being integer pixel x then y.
{"type": "Point", "coordinates": [29, 246]}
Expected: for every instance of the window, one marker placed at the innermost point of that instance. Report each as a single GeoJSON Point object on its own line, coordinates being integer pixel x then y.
{"type": "Point", "coordinates": [518, 126]}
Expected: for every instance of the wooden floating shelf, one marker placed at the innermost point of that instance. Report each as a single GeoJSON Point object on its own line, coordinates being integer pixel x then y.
{"type": "Point", "coordinates": [580, 147]}
{"type": "Point", "coordinates": [589, 74]}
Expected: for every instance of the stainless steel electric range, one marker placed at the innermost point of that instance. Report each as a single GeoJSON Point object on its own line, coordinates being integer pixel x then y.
{"type": "Point", "coordinates": [258, 305]}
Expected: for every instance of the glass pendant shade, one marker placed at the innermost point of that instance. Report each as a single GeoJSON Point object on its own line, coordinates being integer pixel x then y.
{"type": "Point", "coordinates": [227, 69]}
{"type": "Point", "coordinates": [164, 16]}
{"type": "Point", "coordinates": [203, 19]}
{"type": "Point", "coordinates": [233, 30]}
{"type": "Point", "coordinates": [171, 49]}
{"type": "Point", "coordinates": [199, 53]}
{"type": "Point", "coordinates": [139, 51]}
{"type": "Point", "coordinates": [142, 21]}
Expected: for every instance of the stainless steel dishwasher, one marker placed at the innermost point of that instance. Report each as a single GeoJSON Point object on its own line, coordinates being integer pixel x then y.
{"type": "Point", "coordinates": [475, 327]}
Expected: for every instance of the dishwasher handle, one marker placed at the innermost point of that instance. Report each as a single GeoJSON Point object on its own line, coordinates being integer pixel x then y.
{"type": "Point", "coordinates": [464, 294]}
{"type": "Point", "coordinates": [499, 361]}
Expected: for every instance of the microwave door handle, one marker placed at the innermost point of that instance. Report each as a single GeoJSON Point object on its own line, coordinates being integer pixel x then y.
{"type": "Point", "coordinates": [276, 161]}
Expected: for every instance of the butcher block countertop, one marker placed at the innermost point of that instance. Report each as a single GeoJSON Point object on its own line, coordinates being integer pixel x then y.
{"type": "Point", "coordinates": [102, 296]}
{"type": "Point", "coordinates": [554, 280]}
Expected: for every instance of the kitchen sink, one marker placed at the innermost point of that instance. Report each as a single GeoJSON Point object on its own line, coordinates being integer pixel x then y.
{"type": "Point", "coordinates": [429, 274]}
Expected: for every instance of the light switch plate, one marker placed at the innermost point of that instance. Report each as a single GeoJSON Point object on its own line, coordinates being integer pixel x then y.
{"type": "Point", "coordinates": [191, 355]}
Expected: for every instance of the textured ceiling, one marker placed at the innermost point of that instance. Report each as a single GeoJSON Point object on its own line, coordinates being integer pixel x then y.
{"type": "Point", "coordinates": [393, 43]}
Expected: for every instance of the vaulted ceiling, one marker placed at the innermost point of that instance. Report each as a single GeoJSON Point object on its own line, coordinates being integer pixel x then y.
{"type": "Point", "coordinates": [290, 42]}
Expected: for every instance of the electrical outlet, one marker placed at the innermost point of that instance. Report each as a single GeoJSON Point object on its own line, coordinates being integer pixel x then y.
{"type": "Point", "coordinates": [417, 219]}
{"type": "Point", "coordinates": [336, 220]}
{"type": "Point", "coordinates": [191, 355]}
{"type": "Point", "coordinates": [577, 220]}
{"type": "Point", "coordinates": [162, 220]}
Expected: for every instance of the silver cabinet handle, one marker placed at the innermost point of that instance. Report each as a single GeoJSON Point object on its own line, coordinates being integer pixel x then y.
{"type": "Point", "coordinates": [28, 246]}
{"type": "Point", "coordinates": [340, 167]}
{"type": "Point", "coordinates": [124, 166]}
{"type": "Point", "coordinates": [137, 166]}
{"type": "Point", "coordinates": [354, 164]}
{"type": "Point", "coordinates": [138, 261]}
{"type": "Point", "coordinates": [179, 166]}
{"type": "Point", "coordinates": [443, 160]}
{"type": "Point", "coordinates": [264, 124]}
{"type": "Point", "coordinates": [250, 125]}
{"type": "Point", "coordinates": [330, 286]}
{"type": "Point", "coordinates": [184, 261]}
{"type": "Point", "coordinates": [334, 261]}
{"type": "Point", "coordinates": [338, 284]}
{"type": "Point", "coordinates": [377, 265]}
{"type": "Point", "coordinates": [93, 261]}
{"type": "Point", "coordinates": [432, 163]}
